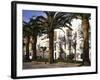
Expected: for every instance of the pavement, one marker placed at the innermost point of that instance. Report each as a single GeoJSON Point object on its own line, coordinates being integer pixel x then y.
{"type": "Point", "coordinates": [38, 65]}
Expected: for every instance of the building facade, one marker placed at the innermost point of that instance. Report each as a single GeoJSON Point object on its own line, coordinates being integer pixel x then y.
{"type": "Point", "coordinates": [66, 42]}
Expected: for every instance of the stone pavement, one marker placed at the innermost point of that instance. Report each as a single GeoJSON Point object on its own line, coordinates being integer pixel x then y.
{"type": "Point", "coordinates": [38, 65]}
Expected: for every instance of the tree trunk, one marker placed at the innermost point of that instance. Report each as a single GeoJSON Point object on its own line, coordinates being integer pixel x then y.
{"type": "Point", "coordinates": [27, 49]}
{"type": "Point", "coordinates": [69, 41]}
{"type": "Point", "coordinates": [51, 48]}
{"type": "Point", "coordinates": [75, 46]}
{"type": "Point", "coordinates": [34, 47]}
{"type": "Point", "coordinates": [24, 55]}
{"type": "Point", "coordinates": [75, 51]}
{"type": "Point", "coordinates": [85, 26]}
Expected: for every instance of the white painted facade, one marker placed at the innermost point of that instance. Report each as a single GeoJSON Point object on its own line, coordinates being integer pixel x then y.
{"type": "Point", "coordinates": [43, 41]}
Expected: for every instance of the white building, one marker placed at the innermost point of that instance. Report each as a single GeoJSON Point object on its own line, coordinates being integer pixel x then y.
{"type": "Point", "coordinates": [63, 39]}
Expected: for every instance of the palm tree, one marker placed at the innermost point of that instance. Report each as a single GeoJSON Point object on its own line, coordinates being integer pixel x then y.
{"type": "Point", "coordinates": [36, 29]}
{"type": "Point", "coordinates": [26, 34]}
{"type": "Point", "coordinates": [51, 21]}
{"type": "Point", "coordinates": [69, 35]}
{"type": "Point", "coordinates": [86, 28]}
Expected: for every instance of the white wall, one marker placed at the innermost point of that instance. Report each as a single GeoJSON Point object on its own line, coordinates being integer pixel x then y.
{"type": "Point", "coordinates": [5, 40]}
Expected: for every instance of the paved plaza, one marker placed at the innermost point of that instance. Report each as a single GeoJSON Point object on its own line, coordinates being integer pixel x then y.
{"type": "Point", "coordinates": [38, 65]}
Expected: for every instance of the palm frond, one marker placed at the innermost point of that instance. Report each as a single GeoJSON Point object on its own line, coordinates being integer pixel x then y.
{"type": "Point", "coordinates": [68, 27]}
{"type": "Point", "coordinates": [59, 27]}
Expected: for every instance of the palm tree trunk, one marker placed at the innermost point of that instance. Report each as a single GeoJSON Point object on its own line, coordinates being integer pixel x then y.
{"type": "Point", "coordinates": [34, 47]}
{"type": "Point", "coordinates": [51, 49]}
{"type": "Point", "coordinates": [85, 26]}
{"type": "Point", "coordinates": [75, 46]}
{"type": "Point", "coordinates": [69, 41]}
{"type": "Point", "coordinates": [75, 51]}
{"type": "Point", "coordinates": [27, 49]}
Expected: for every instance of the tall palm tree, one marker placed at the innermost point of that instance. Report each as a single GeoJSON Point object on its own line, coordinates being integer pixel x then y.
{"type": "Point", "coordinates": [26, 34]}
{"type": "Point", "coordinates": [51, 21]}
{"type": "Point", "coordinates": [69, 35]}
{"type": "Point", "coordinates": [86, 28]}
{"type": "Point", "coordinates": [36, 29]}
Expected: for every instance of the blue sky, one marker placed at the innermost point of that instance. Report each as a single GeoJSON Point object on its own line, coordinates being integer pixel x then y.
{"type": "Point", "coordinates": [27, 14]}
